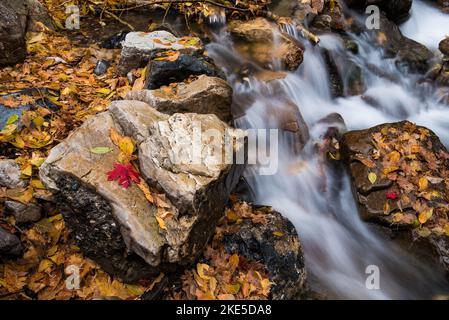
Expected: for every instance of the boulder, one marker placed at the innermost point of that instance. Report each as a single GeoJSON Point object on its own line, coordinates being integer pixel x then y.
{"type": "Point", "coordinates": [276, 245]}
{"type": "Point", "coordinates": [204, 95]}
{"type": "Point", "coordinates": [12, 37]}
{"type": "Point", "coordinates": [444, 46]}
{"type": "Point", "coordinates": [443, 5]}
{"type": "Point", "coordinates": [260, 41]}
{"type": "Point", "coordinates": [10, 244]}
{"type": "Point", "coordinates": [30, 12]}
{"type": "Point", "coordinates": [285, 115]}
{"type": "Point", "coordinates": [139, 48]}
{"type": "Point", "coordinates": [23, 213]}
{"type": "Point", "coordinates": [166, 71]}
{"type": "Point", "coordinates": [10, 175]}
{"type": "Point", "coordinates": [117, 227]}
{"type": "Point", "coordinates": [400, 178]}
{"type": "Point", "coordinates": [409, 54]}
{"type": "Point", "coordinates": [395, 9]}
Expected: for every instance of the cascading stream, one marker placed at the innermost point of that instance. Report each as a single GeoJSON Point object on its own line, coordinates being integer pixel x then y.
{"type": "Point", "coordinates": [338, 246]}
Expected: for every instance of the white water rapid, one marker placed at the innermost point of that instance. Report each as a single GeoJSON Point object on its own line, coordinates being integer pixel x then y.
{"type": "Point", "coordinates": [338, 246]}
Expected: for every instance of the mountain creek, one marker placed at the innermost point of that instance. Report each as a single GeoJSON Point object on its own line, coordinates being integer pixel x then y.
{"type": "Point", "coordinates": [224, 149]}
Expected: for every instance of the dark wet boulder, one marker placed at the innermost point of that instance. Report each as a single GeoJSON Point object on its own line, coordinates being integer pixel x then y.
{"type": "Point", "coordinates": [410, 55]}
{"type": "Point", "coordinates": [395, 9]}
{"type": "Point", "coordinates": [23, 213]}
{"type": "Point", "coordinates": [444, 46]}
{"type": "Point", "coordinates": [162, 72]}
{"type": "Point", "coordinates": [12, 37]}
{"type": "Point", "coordinates": [275, 243]}
{"type": "Point", "coordinates": [400, 178]}
{"type": "Point", "coordinates": [10, 244]}
{"type": "Point", "coordinates": [115, 41]}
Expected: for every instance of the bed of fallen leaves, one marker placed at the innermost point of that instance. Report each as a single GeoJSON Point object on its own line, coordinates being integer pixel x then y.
{"type": "Point", "coordinates": [408, 157]}
{"type": "Point", "coordinates": [227, 276]}
{"type": "Point", "coordinates": [44, 272]}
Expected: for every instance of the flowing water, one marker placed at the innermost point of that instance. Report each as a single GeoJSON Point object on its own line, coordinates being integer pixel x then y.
{"type": "Point", "coordinates": [338, 246]}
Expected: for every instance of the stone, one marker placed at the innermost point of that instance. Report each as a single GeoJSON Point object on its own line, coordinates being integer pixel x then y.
{"type": "Point", "coordinates": [10, 175]}
{"type": "Point", "coordinates": [396, 10]}
{"type": "Point", "coordinates": [30, 13]}
{"type": "Point", "coordinates": [12, 37]}
{"type": "Point", "coordinates": [115, 41]}
{"type": "Point", "coordinates": [10, 244]}
{"type": "Point", "coordinates": [164, 72]}
{"type": "Point", "coordinates": [411, 55]}
{"type": "Point", "coordinates": [101, 67]}
{"type": "Point", "coordinates": [276, 245]}
{"type": "Point", "coordinates": [260, 41]}
{"type": "Point", "coordinates": [23, 213]}
{"type": "Point", "coordinates": [409, 193]}
{"type": "Point", "coordinates": [205, 95]}
{"type": "Point", "coordinates": [117, 227]}
{"type": "Point", "coordinates": [285, 115]}
{"type": "Point", "coordinates": [139, 48]}
{"type": "Point", "coordinates": [444, 46]}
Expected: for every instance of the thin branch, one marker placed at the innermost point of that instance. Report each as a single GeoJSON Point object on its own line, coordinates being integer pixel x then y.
{"type": "Point", "coordinates": [156, 2]}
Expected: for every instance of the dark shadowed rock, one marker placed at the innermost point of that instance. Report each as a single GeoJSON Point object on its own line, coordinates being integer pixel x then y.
{"type": "Point", "coordinates": [400, 176]}
{"type": "Point", "coordinates": [23, 213]}
{"type": "Point", "coordinates": [114, 41]}
{"type": "Point", "coordinates": [10, 244]}
{"type": "Point", "coordinates": [410, 54]}
{"type": "Point", "coordinates": [444, 46]}
{"type": "Point", "coordinates": [395, 9]}
{"type": "Point", "coordinates": [12, 36]}
{"type": "Point", "coordinates": [276, 245]}
{"type": "Point", "coordinates": [163, 72]}
{"type": "Point", "coordinates": [205, 95]}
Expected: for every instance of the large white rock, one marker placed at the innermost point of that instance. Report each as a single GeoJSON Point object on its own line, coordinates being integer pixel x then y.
{"type": "Point", "coordinates": [118, 227]}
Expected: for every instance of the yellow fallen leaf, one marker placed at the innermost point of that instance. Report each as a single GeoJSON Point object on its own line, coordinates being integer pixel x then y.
{"type": "Point", "coordinates": [278, 233]}
{"type": "Point", "coordinates": [372, 177]}
{"type": "Point", "coordinates": [126, 145]}
{"type": "Point", "coordinates": [232, 288]}
{"type": "Point", "coordinates": [234, 260]}
{"type": "Point", "coordinates": [425, 216]}
{"type": "Point", "coordinates": [200, 268]}
{"type": "Point", "coordinates": [423, 184]}
{"type": "Point", "coordinates": [161, 223]}
{"type": "Point", "coordinates": [44, 265]}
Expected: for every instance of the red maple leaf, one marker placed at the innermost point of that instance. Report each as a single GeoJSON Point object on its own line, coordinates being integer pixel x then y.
{"type": "Point", "coordinates": [392, 195]}
{"type": "Point", "coordinates": [124, 174]}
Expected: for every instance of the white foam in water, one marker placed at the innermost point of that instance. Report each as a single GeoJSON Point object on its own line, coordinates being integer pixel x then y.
{"type": "Point", "coordinates": [427, 25]}
{"type": "Point", "coordinates": [338, 246]}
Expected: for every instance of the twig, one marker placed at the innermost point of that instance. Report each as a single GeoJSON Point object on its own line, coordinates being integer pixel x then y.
{"type": "Point", "coordinates": [119, 20]}
{"type": "Point", "coordinates": [150, 3]}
